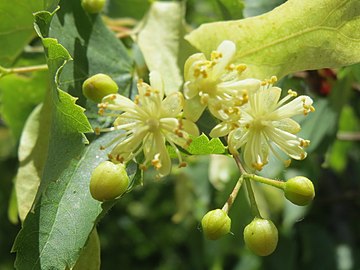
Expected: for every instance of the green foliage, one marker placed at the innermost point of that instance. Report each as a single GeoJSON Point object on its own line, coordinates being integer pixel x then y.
{"type": "Point", "coordinates": [161, 53]}
{"type": "Point", "coordinates": [48, 150]}
{"type": "Point", "coordinates": [16, 29]}
{"type": "Point", "coordinates": [277, 42]}
{"type": "Point", "coordinates": [203, 146]}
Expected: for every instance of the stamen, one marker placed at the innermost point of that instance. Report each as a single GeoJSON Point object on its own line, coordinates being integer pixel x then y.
{"type": "Point", "coordinates": [292, 93]}
{"type": "Point", "coordinates": [156, 162]}
{"type": "Point", "coordinates": [304, 143]}
{"type": "Point", "coordinates": [215, 55]}
{"type": "Point", "coordinates": [258, 166]}
{"type": "Point", "coordinates": [241, 67]}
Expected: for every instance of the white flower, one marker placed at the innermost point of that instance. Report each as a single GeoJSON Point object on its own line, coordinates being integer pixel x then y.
{"type": "Point", "coordinates": [148, 123]}
{"type": "Point", "coordinates": [215, 83]}
{"type": "Point", "coordinates": [265, 125]}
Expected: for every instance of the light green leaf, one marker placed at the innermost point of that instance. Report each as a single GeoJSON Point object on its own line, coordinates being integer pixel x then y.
{"type": "Point", "coordinates": [340, 150]}
{"type": "Point", "coordinates": [159, 40]}
{"type": "Point", "coordinates": [33, 144]}
{"type": "Point", "coordinates": [203, 146]}
{"type": "Point", "coordinates": [90, 256]}
{"type": "Point", "coordinates": [16, 28]}
{"type": "Point", "coordinates": [20, 94]}
{"type": "Point", "coordinates": [298, 35]}
{"type": "Point", "coordinates": [64, 214]}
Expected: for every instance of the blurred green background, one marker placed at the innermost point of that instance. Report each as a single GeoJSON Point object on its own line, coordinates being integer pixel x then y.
{"type": "Point", "coordinates": [156, 226]}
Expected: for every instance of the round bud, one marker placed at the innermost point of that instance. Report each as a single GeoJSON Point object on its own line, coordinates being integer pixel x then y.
{"type": "Point", "coordinates": [261, 236]}
{"type": "Point", "coordinates": [98, 86]}
{"type": "Point", "coordinates": [93, 6]}
{"type": "Point", "coordinates": [299, 190]}
{"type": "Point", "coordinates": [215, 224]}
{"type": "Point", "coordinates": [108, 181]}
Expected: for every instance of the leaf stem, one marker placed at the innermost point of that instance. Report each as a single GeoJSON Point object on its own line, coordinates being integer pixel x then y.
{"type": "Point", "coordinates": [254, 208]}
{"type": "Point", "coordinates": [7, 71]}
{"type": "Point", "coordinates": [233, 195]}
{"type": "Point", "coordinates": [264, 180]}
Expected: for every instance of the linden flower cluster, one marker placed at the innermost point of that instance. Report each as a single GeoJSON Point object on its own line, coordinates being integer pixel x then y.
{"type": "Point", "coordinates": [148, 123]}
{"type": "Point", "coordinates": [253, 117]}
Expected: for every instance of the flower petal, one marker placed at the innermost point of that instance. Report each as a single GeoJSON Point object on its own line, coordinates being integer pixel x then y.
{"type": "Point", "coordinates": [190, 127]}
{"type": "Point", "coordinates": [288, 125]}
{"type": "Point", "coordinates": [256, 151]}
{"type": "Point", "coordinates": [227, 50]}
{"type": "Point", "coordinates": [190, 65]}
{"type": "Point", "coordinates": [237, 138]}
{"type": "Point", "coordinates": [118, 102]}
{"type": "Point", "coordinates": [191, 89]}
{"type": "Point", "coordinates": [300, 105]}
{"type": "Point", "coordinates": [172, 105]}
{"type": "Point", "coordinates": [157, 82]}
{"type": "Point", "coordinates": [287, 142]}
{"type": "Point", "coordinates": [251, 85]}
{"type": "Point", "coordinates": [164, 157]}
{"type": "Point", "coordinates": [193, 108]}
{"type": "Point", "coordinates": [220, 130]}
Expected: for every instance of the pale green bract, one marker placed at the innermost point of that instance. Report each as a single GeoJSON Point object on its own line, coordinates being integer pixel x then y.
{"type": "Point", "coordinates": [298, 35]}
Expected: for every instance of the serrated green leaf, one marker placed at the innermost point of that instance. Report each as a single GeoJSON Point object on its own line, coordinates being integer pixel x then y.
{"type": "Point", "coordinates": [298, 35]}
{"type": "Point", "coordinates": [203, 146]}
{"type": "Point", "coordinates": [16, 28]}
{"type": "Point", "coordinates": [160, 53]}
{"type": "Point", "coordinates": [54, 233]}
{"type": "Point", "coordinates": [94, 48]}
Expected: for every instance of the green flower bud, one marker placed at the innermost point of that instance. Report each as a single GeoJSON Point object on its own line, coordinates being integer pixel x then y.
{"type": "Point", "coordinates": [215, 224]}
{"type": "Point", "coordinates": [108, 181]}
{"type": "Point", "coordinates": [261, 236]}
{"type": "Point", "coordinates": [93, 6]}
{"type": "Point", "coordinates": [299, 190]}
{"type": "Point", "coordinates": [98, 86]}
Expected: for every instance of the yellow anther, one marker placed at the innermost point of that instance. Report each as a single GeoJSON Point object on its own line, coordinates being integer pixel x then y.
{"type": "Point", "coordinates": [292, 93]}
{"type": "Point", "coordinates": [304, 143]}
{"type": "Point", "coordinates": [230, 67]}
{"type": "Point", "coordinates": [258, 166]}
{"type": "Point", "coordinates": [156, 162]}
{"type": "Point", "coordinates": [142, 167]}
{"type": "Point", "coordinates": [204, 73]}
{"type": "Point", "coordinates": [312, 109]}
{"type": "Point", "coordinates": [97, 131]}
{"type": "Point", "coordinates": [273, 80]}
{"type": "Point", "coordinates": [287, 162]}
{"type": "Point", "coordinates": [182, 165]}
{"type": "Point", "coordinates": [136, 99]}
{"type": "Point", "coordinates": [215, 55]}
{"type": "Point", "coordinates": [204, 98]}
{"type": "Point", "coordinates": [241, 67]}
